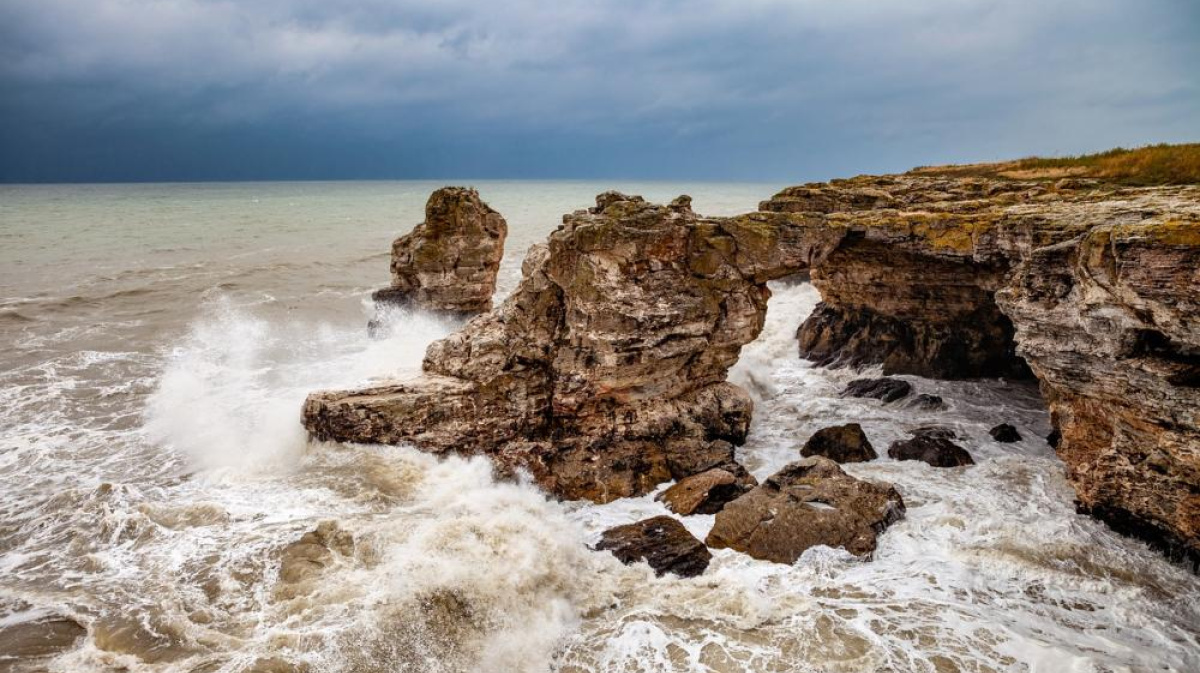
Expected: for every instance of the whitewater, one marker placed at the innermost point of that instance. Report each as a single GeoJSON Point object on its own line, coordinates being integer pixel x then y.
{"type": "Point", "coordinates": [158, 343]}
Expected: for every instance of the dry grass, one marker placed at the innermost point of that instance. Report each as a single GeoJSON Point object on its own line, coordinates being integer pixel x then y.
{"type": "Point", "coordinates": [1152, 165]}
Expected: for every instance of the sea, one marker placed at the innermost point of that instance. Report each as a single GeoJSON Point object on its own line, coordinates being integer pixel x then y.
{"type": "Point", "coordinates": [156, 344]}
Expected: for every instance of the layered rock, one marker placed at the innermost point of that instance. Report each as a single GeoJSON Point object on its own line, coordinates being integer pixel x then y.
{"type": "Point", "coordinates": [1090, 286]}
{"type": "Point", "coordinates": [706, 492]}
{"type": "Point", "coordinates": [808, 503]}
{"type": "Point", "coordinates": [449, 262]}
{"type": "Point", "coordinates": [603, 374]}
{"type": "Point", "coordinates": [1110, 323]}
{"type": "Point", "coordinates": [662, 542]}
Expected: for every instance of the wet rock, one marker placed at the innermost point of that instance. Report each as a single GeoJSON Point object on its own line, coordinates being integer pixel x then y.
{"type": "Point", "coordinates": [449, 262]}
{"type": "Point", "coordinates": [662, 542]}
{"type": "Point", "coordinates": [306, 558]}
{"type": "Point", "coordinates": [604, 373]}
{"type": "Point", "coordinates": [926, 402]}
{"type": "Point", "coordinates": [1005, 433]}
{"type": "Point", "coordinates": [809, 502]}
{"type": "Point", "coordinates": [841, 444]}
{"type": "Point", "coordinates": [40, 638]}
{"type": "Point", "coordinates": [706, 492]}
{"type": "Point", "coordinates": [934, 431]}
{"type": "Point", "coordinates": [885, 389]}
{"type": "Point", "coordinates": [934, 449]}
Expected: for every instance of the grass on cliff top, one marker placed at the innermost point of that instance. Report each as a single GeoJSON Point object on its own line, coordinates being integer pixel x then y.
{"type": "Point", "coordinates": [1151, 165]}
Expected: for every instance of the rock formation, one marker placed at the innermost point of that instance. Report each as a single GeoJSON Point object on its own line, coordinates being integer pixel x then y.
{"type": "Point", "coordinates": [841, 444]}
{"type": "Point", "coordinates": [1005, 434]}
{"type": "Point", "coordinates": [809, 502]}
{"type": "Point", "coordinates": [449, 262]}
{"type": "Point", "coordinates": [1091, 286]}
{"type": "Point", "coordinates": [706, 492]}
{"type": "Point", "coordinates": [603, 374]}
{"type": "Point", "coordinates": [662, 542]}
{"type": "Point", "coordinates": [885, 389]}
{"type": "Point", "coordinates": [930, 448]}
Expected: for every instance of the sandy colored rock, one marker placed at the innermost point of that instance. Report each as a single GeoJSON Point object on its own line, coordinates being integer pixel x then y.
{"type": "Point", "coordinates": [448, 262]}
{"type": "Point", "coordinates": [662, 542]}
{"type": "Point", "coordinates": [706, 492]}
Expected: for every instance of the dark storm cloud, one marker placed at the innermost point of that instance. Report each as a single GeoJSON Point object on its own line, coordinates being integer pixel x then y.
{"type": "Point", "coordinates": [218, 89]}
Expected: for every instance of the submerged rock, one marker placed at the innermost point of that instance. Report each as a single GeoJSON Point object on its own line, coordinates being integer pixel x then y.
{"type": "Point", "coordinates": [809, 502]}
{"type": "Point", "coordinates": [305, 559]}
{"type": "Point", "coordinates": [1005, 433]}
{"type": "Point", "coordinates": [841, 444]}
{"type": "Point", "coordinates": [927, 402]}
{"type": "Point", "coordinates": [39, 638]}
{"type": "Point", "coordinates": [662, 542]}
{"type": "Point", "coordinates": [935, 449]}
{"type": "Point", "coordinates": [885, 389]}
{"type": "Point", "coordinates": [449, 262]}
{"type": "Point", "coordinates": [706, 492]}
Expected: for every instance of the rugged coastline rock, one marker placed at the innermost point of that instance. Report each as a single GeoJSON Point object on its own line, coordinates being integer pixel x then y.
{"type": "Point", "coordinates": [662, 542]}
{"type": "Point", "coordinates": [932, 448]}
{"type": "Point", "coordinates": [841, 444]}
{"type": "Point", "coordinates": [449, 262]}
{"type": "Point", "coordinates": [706, 492]}
{"type": "Point", "coordinates": [603, 374]}
{"type": "Point", "coordinates": [884, 389]}
{"type": "Point", "coordinates": [809, 502]}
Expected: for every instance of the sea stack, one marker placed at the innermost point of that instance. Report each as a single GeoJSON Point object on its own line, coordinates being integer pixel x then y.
{"type": "Point", "coordinates": [449, 262]}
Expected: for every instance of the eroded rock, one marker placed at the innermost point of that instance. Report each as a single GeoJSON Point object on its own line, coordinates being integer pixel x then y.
{"type": "Point", "coordinates": [809, 502]}
{"type": "Point", "coordinates": [1005, 433]}
{"type": "Point", "coordinates": [706, 492]}
{"type": "Point", "coordinates": [603, 374]}
{"type": "Point", "coordinates": [841, 444]}
{"type": "Point", "coordinates": [449, 262]}
{"type": "Point", "coordinates": [662, 542]}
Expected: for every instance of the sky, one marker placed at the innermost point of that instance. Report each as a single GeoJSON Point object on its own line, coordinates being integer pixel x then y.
{"type": "Point", "coordinates": [773, 90]}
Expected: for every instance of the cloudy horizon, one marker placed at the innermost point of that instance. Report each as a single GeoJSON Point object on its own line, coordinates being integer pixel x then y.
{"type": "Point", "coordinates": [147, 90]}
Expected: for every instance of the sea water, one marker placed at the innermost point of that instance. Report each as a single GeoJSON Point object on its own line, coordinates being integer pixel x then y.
{"type": "Point", "coordinates": [158, 341]}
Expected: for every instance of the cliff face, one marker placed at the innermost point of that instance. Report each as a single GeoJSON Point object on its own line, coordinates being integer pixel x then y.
{"type": "Point", "coordinates": [1092, 288]}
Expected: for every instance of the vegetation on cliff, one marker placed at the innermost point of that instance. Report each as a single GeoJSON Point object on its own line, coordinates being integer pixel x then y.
{"type": "Point", "coordinates": [1161, 164]}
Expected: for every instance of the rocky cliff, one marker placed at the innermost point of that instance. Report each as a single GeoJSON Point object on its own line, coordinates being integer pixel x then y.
{"type": "Point", "coordinates": [448, 262]}
{"type": "Point", "coordinates": [1091, 287]}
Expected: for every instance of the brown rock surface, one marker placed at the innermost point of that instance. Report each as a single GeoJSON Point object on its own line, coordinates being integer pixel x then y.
{"type": "Point", "coordinates": [662, 542]}
{"type": "Point", "coordinates": [931, 448]}
{"type": "Point", "coordinates": [841, 444]}
{"type": "Point", "coordinates": [603, 374]}
{"type": "Point", "coordinates": [448, 262]}
{"type": "Point", "coordinates": [809, 502]}
{"type": "Point", "coordinates": [706, 492]}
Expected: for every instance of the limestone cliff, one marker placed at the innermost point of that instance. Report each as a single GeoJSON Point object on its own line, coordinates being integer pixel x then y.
{"type": "Point", "coordinates": [1092, 287]}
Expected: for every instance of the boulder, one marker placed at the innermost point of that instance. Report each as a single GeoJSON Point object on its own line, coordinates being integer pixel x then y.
{"type": "Point", "coordinates": [449, 262]}
{"type": "Point", "coordinates": [40, 638]}
{"type": "Point", "coordinates": [809, 502]}
{"type": "Point", "coordinates": [706, 492]}
{"type": "Point", "coordinates": [841, 444]}
{"type": "Point", "coordinates": [1005, 433]}
{"type": "Point", "coordinates": [926, 402]}
{"type": "Point", "coordinates": [885, 389]}
{"type": "Point", "coordinates": [304, 560]}
{"type": "Point", "coordinates": [934, 449]}
{"type": "Point", "coordinates": [662, 542]}
{"type": "Point", "coordinates": [934, 431]}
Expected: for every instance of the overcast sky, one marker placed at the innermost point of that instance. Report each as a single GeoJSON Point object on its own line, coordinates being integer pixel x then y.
{"type": "Point", "coordinates": [781, 90]}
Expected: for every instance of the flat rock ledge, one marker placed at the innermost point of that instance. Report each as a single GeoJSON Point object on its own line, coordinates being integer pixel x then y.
{"type": "Point", "coordinates": [809, 502]}
{"type": "Point", "coordinates": [449, 262]}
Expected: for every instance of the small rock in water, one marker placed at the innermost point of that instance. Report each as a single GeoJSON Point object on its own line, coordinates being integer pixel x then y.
{"type": "Point", "coordinates": [44, 637]}
{"type": "Point", "coordinates": [886, 389]}
{"type": "Point", "coordinates": [935, 431]}
{"type": "Point", "coordinates": [927, 402]}
{"type": "Point", "coordinates": [1005, 433]}
{"type": "Point", "coordinates": [704, 493]}
{"type": "Point", "coordinates": [840, 443]}
{"type": "Point", "coordinates": [660, 541]}
{"type": "Point", "coordinates": [809, 502]}
{"type": "Point", "coordinates": [306, 558]}
{"type": "Point", "coordinates": [936, 450]}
